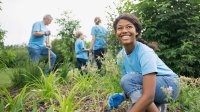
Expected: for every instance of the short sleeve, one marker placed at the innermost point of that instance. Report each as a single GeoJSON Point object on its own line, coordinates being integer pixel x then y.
{"type": "Point", "coordinates": [93, 31]}
{"type": "Point", "coordinates": [36, 27]}
{"type": "Point", "coordinates": [82, 44]}
{"type": "Point", "coordinates": [148, 63]}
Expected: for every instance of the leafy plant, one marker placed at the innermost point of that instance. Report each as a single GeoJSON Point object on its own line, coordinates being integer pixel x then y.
{"type": "Point", "coordinates": [175, 26]}
{"type": "Point", "coordinates": [26, 73]}
{"type": "Point", "coordinates": [45, 86]}
{"type": "Point", "coordinates": [2, 35]}
{"type": "Point", "coordinates": [7, 57]}
{"type": "Point", "coordinates": [188, 98]}
{"type": "Point", "coordinates": [15, 104]}
{"type": "Point", "coordinates": [64, 47]}
{"type": "Point", "coordinates": [1, 106]}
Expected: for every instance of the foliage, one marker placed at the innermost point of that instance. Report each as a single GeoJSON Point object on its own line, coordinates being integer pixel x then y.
{"type": "Point", "coordinates": [175, 25]}
{"type": "Point", "coordinates": [46, 87]}
{"type": "Point", "coordinates": [15, 104]}
{"type": "Point", "coordinates": [189, 98]}
{"type": "Point", "coordinates": [2, 35]}
{"type": "Point", "coordinates": [13, 56]}
{"type": "Point", "coordinates": [5, 75]}
{"type": "Point", "coordinates": [113, 43]}
{"type": "Point", "coordinates": [7, 58]}
{"type": "Point", "coordinates": [27, 73]}
{"type": "Point", "coordinates": [22, 55]}
{"type": "Point", "coordinates": [64, 69]}
{"type": "Point", "coordinates": [64, 47]}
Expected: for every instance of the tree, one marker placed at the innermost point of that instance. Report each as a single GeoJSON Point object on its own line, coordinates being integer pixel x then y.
{"type": "Point", "coordinates": [64, 47]}
{"type": "Point", "coordinates": [2, 35]}
{"type": "Point", "coordinates": [175, 25]}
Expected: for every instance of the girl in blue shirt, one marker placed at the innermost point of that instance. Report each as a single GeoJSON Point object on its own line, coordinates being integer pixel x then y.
{"type": "Point", "coordinates": [145, 75]}
{"type": "Point", "coordinates": [98, 42]}
{"type": "Point", "coordinates": [81, 51]}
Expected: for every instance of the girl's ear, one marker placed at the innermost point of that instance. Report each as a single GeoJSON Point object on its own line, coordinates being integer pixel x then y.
{"type": "Point", "coordinates": [136, 33]}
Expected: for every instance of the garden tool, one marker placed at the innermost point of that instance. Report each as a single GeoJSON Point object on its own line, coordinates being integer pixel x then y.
{"type": "Point", "coordinates": [49, 52]}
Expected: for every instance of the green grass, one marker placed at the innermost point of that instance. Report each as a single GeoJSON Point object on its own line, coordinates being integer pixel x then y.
{"type": "Point", "coordinates": [5, 80]}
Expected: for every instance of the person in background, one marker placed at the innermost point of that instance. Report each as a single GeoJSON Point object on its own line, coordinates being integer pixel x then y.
{"type": "Point", "coordinates": [146, 80]}
{"type": "Point", "coordinates": [36, 45]}
{"type": "Point", "coordinates": [81, 51]}
{"type": "Point", "coordinates": [98, 42]}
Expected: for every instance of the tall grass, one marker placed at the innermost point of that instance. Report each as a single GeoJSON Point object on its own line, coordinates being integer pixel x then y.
{"type": "Point", "coordinates": [5, 75]}
{"type": "Point", "coordinates": [46, 86]}
{"type": "Point", "coordinates": [188, 100]}
{"type": "Point", "coordinates": [15, 104]}
{"type": "Point", "coordinates": [27, 73]}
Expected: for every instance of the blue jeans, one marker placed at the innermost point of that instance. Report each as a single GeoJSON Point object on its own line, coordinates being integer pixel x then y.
{"type": "Point", "coordinates": [35, 55]}
{"type": "Point", "coordinates": [81, 62]}
{"type": "Point", "coordinates": [132, 86]}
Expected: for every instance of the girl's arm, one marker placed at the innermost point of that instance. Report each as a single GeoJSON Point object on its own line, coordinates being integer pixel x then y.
{"type": "Point", "coordinates": [92, 42]}
{"type": "Point", "coordinates": [85, 50]}
{"type": "Point", "coordinates": [146, 102]}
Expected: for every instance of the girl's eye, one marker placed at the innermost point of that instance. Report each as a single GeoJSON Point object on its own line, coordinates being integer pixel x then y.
{"type": "Point", "coordinates": [119, 28]}
{"type": "Point", "coordinates": [129, 27]}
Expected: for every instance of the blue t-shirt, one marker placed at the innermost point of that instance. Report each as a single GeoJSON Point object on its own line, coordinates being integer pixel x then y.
{"type": "Point", "coordinates": [79, 45]}
{"type": "Point", "coordinates": [143, 60]}
{"type": "Point", "coordinates": [100, 33]}
{"type": "Point", "coordinates": [37, 41]}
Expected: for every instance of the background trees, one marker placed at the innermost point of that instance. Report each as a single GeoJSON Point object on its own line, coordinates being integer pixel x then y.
{"type": "Point", "coordinates": [64, 47]}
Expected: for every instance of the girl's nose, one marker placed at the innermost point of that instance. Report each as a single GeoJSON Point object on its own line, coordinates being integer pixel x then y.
{"type": "Point", "coordinates": [124, 30]}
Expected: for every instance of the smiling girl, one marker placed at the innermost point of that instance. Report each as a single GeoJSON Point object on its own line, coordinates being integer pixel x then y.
{"type": "Point", "coordinates": [144, 73]}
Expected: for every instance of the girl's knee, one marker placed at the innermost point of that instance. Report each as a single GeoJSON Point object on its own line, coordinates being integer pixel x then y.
{"type": "Point", "coordinates": [131, 82]}
{"type": "Point", "coordinates": [124, 80]}
{"type": "Point", "coordinates": [132, 78]}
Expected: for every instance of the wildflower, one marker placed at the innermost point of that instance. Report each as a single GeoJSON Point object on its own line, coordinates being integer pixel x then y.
{"type": "Point", "coordinates": [169, 90]}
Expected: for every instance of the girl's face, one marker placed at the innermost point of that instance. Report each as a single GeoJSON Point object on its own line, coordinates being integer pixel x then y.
{"type": "Point", "coordinates": [126, 32]}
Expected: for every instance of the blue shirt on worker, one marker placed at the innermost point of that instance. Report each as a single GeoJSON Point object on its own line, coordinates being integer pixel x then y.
{"type": "Point", "coordinates": [79, 46]}
{"type": "Point", "coordinates": [143, 60]}
{"type": "Point", "coordinates": [100, 33]}
{"type": "Point", "coordinates": [39, 41]}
